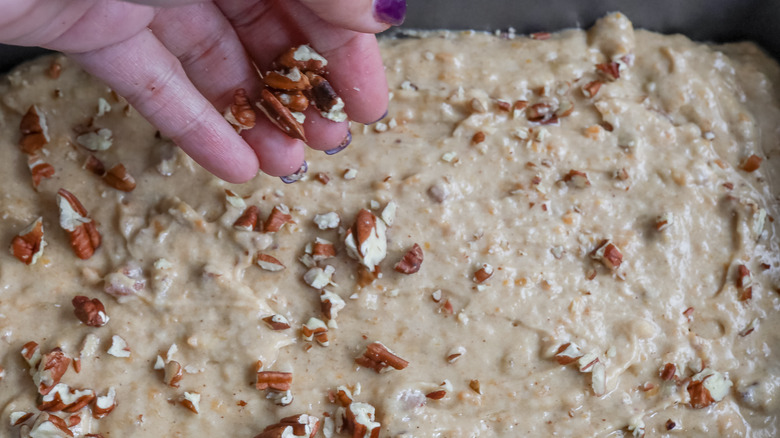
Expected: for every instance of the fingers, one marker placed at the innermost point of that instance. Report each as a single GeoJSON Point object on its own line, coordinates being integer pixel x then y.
{"type": "Point", "coordinates": [369, 16]}
{"type": "Point", "coordinates": [355, 64]}
{"type": "Point", "coordinates": [153, 81]}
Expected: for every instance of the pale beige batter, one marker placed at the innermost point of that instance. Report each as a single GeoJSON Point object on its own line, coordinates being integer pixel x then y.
{"type": "Point", "coordinates": [653, 162]}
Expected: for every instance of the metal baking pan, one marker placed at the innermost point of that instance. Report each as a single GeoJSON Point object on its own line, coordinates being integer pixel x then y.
{"type": "Point", "coordinates": [702, 20]}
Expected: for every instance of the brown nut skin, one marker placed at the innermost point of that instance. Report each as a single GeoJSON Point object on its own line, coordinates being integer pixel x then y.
{"type": "Point", "coordinates": [295, 101]}
{"type": "Point", "coordinates": [322, 93]}
{"type": "Point", "coordinates": [287, 59]}
{"type": "Point", "coordinates": [280, 81]}
{"type": "Point", "coordinates": [84, 239]}
{"type": "Point", "coordinates": [411, 261]}
{"type": "Point", "coordinates": [119, 178]}
{"type": "Point", "coordinates": [90, 312]}
{"type": "Point", "coordinates": [280, 116]}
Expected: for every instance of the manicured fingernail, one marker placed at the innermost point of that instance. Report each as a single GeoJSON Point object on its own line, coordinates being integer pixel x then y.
{"type": "Point", "coordinates": [383, 116]}
{"type": "Point", "coordinates": [391, 12]}
{"type": "Point", "coordinates": [289, 179]}
{"type": "Point", "coordinates": [342, 146]}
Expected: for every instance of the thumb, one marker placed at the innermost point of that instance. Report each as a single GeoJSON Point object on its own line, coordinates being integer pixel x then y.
{"type": "Point", "coordinates": [369, 16]}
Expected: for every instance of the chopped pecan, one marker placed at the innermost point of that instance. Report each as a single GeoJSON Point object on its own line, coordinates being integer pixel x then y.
{"type": "Point", "coordinates": [436, 395]}
{"type": "Point", "coordinates": [304, 58]}
{"type": "Point", "coordinates": [55, 69]}
{"type": "Point", "coordinates": [240, 113]}
{"type": "Point", "coordinates": [274, 380]}
{"type": "Point", "coordinates": [664, 221]}
{"type": "Point", "coordinates": [540, 112]}
{"type": "Point", "coordinates": [411, 262]}
{"type": "Point", "coordinates": [366, 241]}
{"type": "Point", "coordinates": [104, 404]}
{"type": "Point", "coordinates": [331, 304]}
{"type": "Point", "coordinates": [39, 169]}
{"type": "Point", "coordinates": [359, 420]}
{"type": "Point", "coordinates": [577, 179]}
{"type": "Point", "coordinates": [483, 273]}
{"type": "Point", "coordinates": [35, 132]}
{"type": "Point", "coordinates": [301, 425]}
{"type": "Point", "coordinates": [378, 358]}
{"type": "Point", "coordinates": [277, 218]}
{"type": "Point", "coordinates": [591, 89]}
{"type": "Point", "coordinates": [19, 417]}
{"type": "Point", "coordinates": [94, 165]}
{"type": "Point", "coordinates": [751, 163]}
{"type": "Point", "coordinates": [744, 283]}
{"type": "Point", "coordinates": [90, 312]}
{"type": "Point", "coordinates": [294, 100]}
{"type": "Point", "coordinates": [315, 329]}
{"type": "Point", "coordinates": [323, 178]}
{"type": "Point", "coordinates": [248, 220]}
{"type": "Point", "coordinates": [608, 254]}
{"type": "Point", "coordinates": [478, 138]}
{"type": "Point", "coordinates": [50, 426]}
{"type": "Point", "coordinates": [84, 236]}
{"type": "Point", "coordinates": [119, 178]}
{"type": "Point", "coordinates": [610, 69]}
{"type": "Point", "coordinates": [125, 281]}
{"type": "Point", "coordinates": [568, 353]}
{"type": "Point", "coordinates": [119, 347]}
{"type": "Point", "coordinates": [191, 401]}
{"type": "Point", "coordinates": [475, 386]}
{"type": "Point", "coordinates": [280, 116]}
{"type": "Point", "coordinates": [173, 374]}
{"type": "Point", "coordinates": [66, 399]}
{"type": "Point", "coordinates": [322, 250]}
{"type": "Point", "coordinates": [668, 372]}
{"type": "Point", "coordinates": [277, 322]}
{"type": "Point", "coordinates": [293, 80]}
{"type": "Point", "coordinates": [50, 370]}
{"type": "Point", "coordinates": [268, 263]}
{"type": "Point", "coordinates": [28, 245]}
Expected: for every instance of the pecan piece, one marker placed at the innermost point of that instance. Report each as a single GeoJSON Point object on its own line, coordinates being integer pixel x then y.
{"type": "Point", "coordinates": [248, 219]}
{"type": "Point", "coordinates": [301, 425]}
{"type": "Point", "coordinates": [277, 322]}
{"type": "Point", "coordinates": [268, 263]}
{"type": "Point", "coordinates": [104, 404]}
{"type": "Point", "coordinates": [591, 89]}
{"type": "Point", "coordinates": [744, 283]}
{"type": "Point", "coordinates": [568, 353]}
{"type": "Point", "coordinates": [191, 401]}
{"type": "Point", "coordinates": [315, 329]}
{"type": "Point", "coordinates": [119, 178]}
{"type": "Point", "coordinates": [280, 116]}
{"type": "Point", "coordinates": [366, 241]}
{"type": "Point", "coordinates": [90, 312]}
{"type": "Point", "coordinates": [359, 419]}
{"type": "Point", "coordinates": [74, 219]}
{"type": "Point", "coordinates": [540, 112]}
{"type": "Point", "coordinates": [28, 245]}
{"type": "Point", "coordinates": [608, 254]}
{"type": "Point", "coordinates": [577, 179]}
{"type": "Point", "coordinates": [35, 132]}
{"type": "Point", "coordinates": [279, 216]}
{"type": "Point", "coordinates": [610, 69]}
{"type": "Point", "coordinates": [294, 100]}
{"type": "Point", "coordinates": [751, 163]}
{"type": "Point", "coordinates": [668, 372]}
{"type": "Point", "coordinates": [411, 262]}
{"type": "Point", "coordinates": [240, 113]}
{"type": "Point", "coordinates": [322, 250]}
{"type": "Point", "coordinates": [173, 374]}
{"type": "Point", "coordinates": [274, 380]}
{"type": "Point", "coordinates": [304, 58]}
{"type": "Point", "coordinates": [378, 358]}
{"type": "Point", "coordinates": [50, 370]}
{"type": "Point", "coordinates": [39, 169]}
{"type": "Point", "coordinates": [66, 399]}
{"type": "Point", "coordinates": [483, 273]}
{"type": "Point", "coordinates": [94, 165]}
{"type": "Point", "coordinates": [293, 80]}
{"type": "Point", "coordinates": [325, 98]}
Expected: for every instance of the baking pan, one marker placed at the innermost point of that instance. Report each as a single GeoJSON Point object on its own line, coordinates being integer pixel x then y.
{"type": "Point", "coordinates": [703, 20]}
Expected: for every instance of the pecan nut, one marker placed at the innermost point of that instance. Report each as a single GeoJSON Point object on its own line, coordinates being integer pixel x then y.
{"type": "Point", "coordinates": [90, 312]}
{"type": "Point", "coordinates": [119, 178]}
{"type": "Point", "coordinates": [378, 358]}
{"type": "Point", "coordinates": [35, 133]}
{"type": "Point", "coordinates": [39, 169]}
{"type": "Point", "coordinates": [28, 245]}
{"type": "Point", "coordinates": [280, 116]}
{"type": "Point", "coordinates": [274, 380]}
{"type": "Point", "coordinates": [240, 113]}
{"type": "Point", "coordinates": [293, 80]}
{"type": "Point", "coordinates": [411, 262]}
{"type": "Point", "coordinates": [74, 219]}
{"type": "Point", "coordinates": [304, 58]}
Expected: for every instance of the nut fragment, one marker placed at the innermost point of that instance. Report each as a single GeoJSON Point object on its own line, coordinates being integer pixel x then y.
{"type": "Point", "coordinates": [277, 322]}
{"type": "Point", "coordinates": [610, 69]}
{"type": "Point", "coordinates": [325, 99]}
{"type": "Point", "coordinates": [668, 372]}
{"type": "Point", "coordinates": [240, 113]}
{"type": "Point", "coordinates": [277, 218]}
{"type": "Point", "coordinates": [744, 283]}
{"type": "Point", "coordinates": [301, 425]}
{"type": "Point", "coordinates": [49, 426]}
{"type": "Point", "coordinates": [359, 420]}
{"type": "Point", "coordinates": [292, 80]}
{"type": "Point", "coordinates": [50, 370]}
{"type": "Point", "coordinates": [96, 140]}
{"type": "Point", "coordinates": [411, 262]}
{"type": "Point", "coordinates": [119, 178]}
{"type": "Point", "coordinates": [295, 101]}
{"type": "Point", "coordinates": [269, 263]}
{"type": "Point", "coordinates": [540, 112]}
{"type": "Point", "coordinates": [191, 401]}
{"type": "Point", "coordinates": [568, 353]}
{"type": "Point", "coordinates": [104, 404]}
{"type": "Point", "coordinates": [315, 329]}
{"type": "Point", "coordinates": [119, 347]}
{"type": "Point", "coordinates": [35, 132]}
{"type": "Point", "coordinates": [366, 241]}
{"type": "Point", "coordinates": [664, 221]}
{"type": "Point", "coordinates": [379, 358]}
{"type": "Point", "coordinates": [66, 399]}
{"type": "Point", "coordinates": [577, 179]}
{"type": "Point", "coordinates": [608, 254]}
{"type": "Point", "coordinates": [303, 57]}
{"type": "Point", "coordinates": [173, 374]}
{"type": "Point", "coordinates": [248, 219]}
{"type": "Point", "coordinates": [84, 236]}
{"type": "Point", "coordinates": [28, 245]}
{"type": "Point", "coordinates": [751, 163]}
{"type": "Point", "coordinates": [274, 380]}
{"type": "Point", "coordinates": [39, 169]}
{"type": "Point", "coordinates": [331, 304]}
{"type": "Point", "coordinates": [90, 312]}
{"type": "Point", "coordinates": [280, 116]}
{"type": "Point", "coordinates": [708, 387]}
{"type": "Point", "coordinates": [591, 89]}
{"type": "Point", "coordinates": [322, 250]}
{"type": "Point", "coordinates": [483, 273]}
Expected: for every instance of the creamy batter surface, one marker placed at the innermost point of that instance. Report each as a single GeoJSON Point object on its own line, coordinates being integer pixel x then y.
{"type": "Point", "coordinates": [594, 211]}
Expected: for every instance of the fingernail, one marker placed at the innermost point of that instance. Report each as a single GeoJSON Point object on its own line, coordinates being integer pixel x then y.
{"type": "Point", "coordinates": [383, 116]}
{"type": "Point", "coordinates": [391, 12]}
{"type": "Point", "coordinates": [289, 179]}
{"type": "Point", "coordinates": [342, 146]}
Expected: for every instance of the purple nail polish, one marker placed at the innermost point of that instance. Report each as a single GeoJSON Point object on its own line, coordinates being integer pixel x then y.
{"type": "Point", "coordinates": [391, 12]}
{"type": "Point", "coordinates": [289, 179]}
{"type": "Point", "coordinates": [383, 116]}
{"type": "Point", "coordinates": [342, 146]}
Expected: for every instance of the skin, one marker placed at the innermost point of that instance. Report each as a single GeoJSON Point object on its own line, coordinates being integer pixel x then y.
{"type": "Point", "coordinates": [178, 63]}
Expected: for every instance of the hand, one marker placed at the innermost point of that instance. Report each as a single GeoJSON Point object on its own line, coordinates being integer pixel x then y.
{"type": "Point", "coordinates": [178, 63]}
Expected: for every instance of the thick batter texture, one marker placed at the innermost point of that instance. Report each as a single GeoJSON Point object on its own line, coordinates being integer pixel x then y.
{"type": "Point", "coordinates": [595, 210]}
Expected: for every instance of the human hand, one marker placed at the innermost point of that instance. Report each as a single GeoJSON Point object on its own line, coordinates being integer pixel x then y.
{"type": "Point", "coordinates": [178, 63]}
